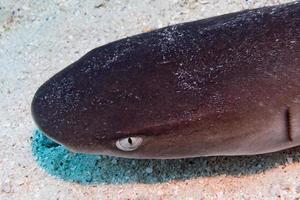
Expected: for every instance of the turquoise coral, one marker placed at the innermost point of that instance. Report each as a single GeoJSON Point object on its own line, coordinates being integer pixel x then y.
{"type": "Point", "coordinates": [93, 169]}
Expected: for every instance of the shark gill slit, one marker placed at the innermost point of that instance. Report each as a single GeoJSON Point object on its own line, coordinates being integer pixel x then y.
{"type": "Point", "coordinates": [288, 122]}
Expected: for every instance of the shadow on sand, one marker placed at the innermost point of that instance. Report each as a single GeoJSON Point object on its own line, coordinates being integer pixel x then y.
{"type": "Point", "coordinates": [91, 169]}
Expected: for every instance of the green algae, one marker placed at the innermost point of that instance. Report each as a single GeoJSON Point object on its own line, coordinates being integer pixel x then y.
{"type": "Point", "coordinates": [94, 169]}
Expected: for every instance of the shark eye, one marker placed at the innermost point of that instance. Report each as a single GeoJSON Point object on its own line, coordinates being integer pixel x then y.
{"type": "Point", "coordinates": [129, 143]}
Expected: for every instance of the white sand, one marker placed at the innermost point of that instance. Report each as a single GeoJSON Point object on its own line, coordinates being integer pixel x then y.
{"type": "Point", "coordinates": [39, 38]}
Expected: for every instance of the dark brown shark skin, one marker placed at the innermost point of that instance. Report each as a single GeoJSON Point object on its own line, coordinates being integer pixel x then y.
{"type": "Point", "coordinates": [227, 85]}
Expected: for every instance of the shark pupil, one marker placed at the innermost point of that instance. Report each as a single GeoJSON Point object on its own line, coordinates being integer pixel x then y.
{"type": "Point", "coordinates": [130, 141]}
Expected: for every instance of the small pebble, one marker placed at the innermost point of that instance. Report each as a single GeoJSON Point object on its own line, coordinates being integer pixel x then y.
{"type": "Point", "coordinates": [289, 160]}
{"type": "Point", "coordinates": [6, 187]}
{"type": "Point", "coordinates": [149, 170]}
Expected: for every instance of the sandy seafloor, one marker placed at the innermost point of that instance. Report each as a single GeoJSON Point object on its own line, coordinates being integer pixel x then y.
{"type": "Point", "coordinates": [39, 38]}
